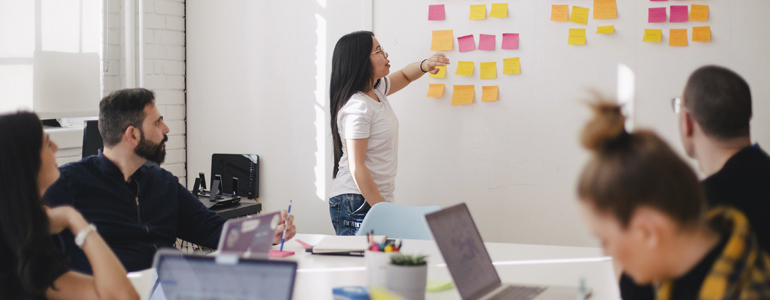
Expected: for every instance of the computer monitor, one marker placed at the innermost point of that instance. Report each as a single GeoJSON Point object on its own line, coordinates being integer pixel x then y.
{"type": "Point", "coordinates": [243, 166]}
{"type": "Point", "coordinates": [92, 139]}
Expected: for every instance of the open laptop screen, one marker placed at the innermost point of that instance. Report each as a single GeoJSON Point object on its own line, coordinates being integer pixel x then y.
{"type": "Point", "coordinates": [463, 249]}
{"type": "Point", "coordinates": [202, 277]}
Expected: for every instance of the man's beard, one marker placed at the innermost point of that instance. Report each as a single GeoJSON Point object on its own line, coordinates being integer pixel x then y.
{"type": "Point", "coordinates": [153, 152]}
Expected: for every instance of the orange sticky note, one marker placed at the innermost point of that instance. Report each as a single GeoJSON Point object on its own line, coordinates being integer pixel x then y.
{"type": "Point", "coordinates": [653, 35]}
{"type": "Point", "coordinates": [559, 12]}
{"type": "Point", "coordinates": [488, 70]}
{"type": "Point", "coordinates": [577, 36]}
{"type": "Point", "coordinates": [511, 66]}
{"type": "Point", "coordinates": [699, 12]}
{"type": "Point", "coordinates": [677, 37]}
{"type": "Point", "coordinates": [499, 10]}
{"type": "Point", "coordinates": [463, 94]}
{"type": "Point", "coordinates": [579, 15]}
{"type": "Point", "coordinates": [605, 9]}
{"type": "Point", "coordinates": [436, 90]}
{"type": "Point", "coordinates": [488, 93]}
{"type": "Point", "coordinates": [478, 12]}
{"type": "Point", "coordinates": [605, 29]}
{"type": "Point", "coordinates": [701, 34]}
{"type": "Point", "coordinates": [441, 72]}
{"type": "Point", "coordinates": [464, 68]}
{"type": "Point", "coordinates": [442, 40]}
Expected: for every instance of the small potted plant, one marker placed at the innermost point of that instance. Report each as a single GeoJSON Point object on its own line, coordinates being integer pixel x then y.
{"type": "Point", "coordinates": [407, 275]}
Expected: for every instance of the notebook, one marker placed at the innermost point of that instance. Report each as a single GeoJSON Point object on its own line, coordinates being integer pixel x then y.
{"type": "Point", "coordinates": [345, 245]}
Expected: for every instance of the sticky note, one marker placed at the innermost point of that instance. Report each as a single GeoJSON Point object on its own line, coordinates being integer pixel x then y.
{"type": "Point", "coordinates": [463, 94]}
{"type": "Point", "coordinates": [559, 12]}
{"type": "Point", "coordinates": [441, 72]}
{"type": "Point", "coordinates": [677, 37]}
{"type": "Point", "coordinates": [577, 36]}
{"type": "Point", "coordinates": [699, 12]}
{"type": "Point", "coordinates": [579, 15]}
{"type": "Point", "coordinates": [701, 34]}
{"type": "Point", "coordinates": [510, 41]}
{"type": "Point", "coordinates": [478, 12]}
{"type": "Point", "coordinates": [464, 68]}
{"type": "Point", "coordinates": [605, 29]}
{"type": "Point", "coordinates": [605, 9]}
{"type": "Point", "coordinates": [499, 10]}
{"type": "Point", "coordinates": [653, 35]}
{"type": "Point", "coordinates": [438, 286]}
{"type": "Point", "coordinates": [511, 66]}
{"type": "Point", "coordinates": [487, 42]}
{"type": "Point", "coordinates": [489, 93]}
{"type": "Point", "coordinates": [436, 12]}
{"type": "Point", "coordinates": [442, 40]}
{"type": "Point", "coordinates": [656, 15]}
{"type": "Point", "coordinates": [658, 0]}
{"type": "Point", "coordinates": [467, 43]}
{"type": "Point", "coordinates": [436, 90]}
{"type": "Point", "coordinates": [488, 70]}
{"type": "Point", "coordinates": [678, 13]}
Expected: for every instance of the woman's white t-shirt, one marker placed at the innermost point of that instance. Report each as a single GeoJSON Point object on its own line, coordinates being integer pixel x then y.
{"type": "Point", "coordinates": [363, 117]}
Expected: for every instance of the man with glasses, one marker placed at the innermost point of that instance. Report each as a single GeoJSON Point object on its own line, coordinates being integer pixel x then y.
{"type": "Point", "coordinates": [714, 115]}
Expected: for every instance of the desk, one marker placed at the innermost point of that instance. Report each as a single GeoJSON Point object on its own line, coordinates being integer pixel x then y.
{"type": "Point", "coordinates": [515, 263]}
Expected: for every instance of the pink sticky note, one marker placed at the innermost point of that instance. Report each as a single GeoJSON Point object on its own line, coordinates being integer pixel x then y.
{"type": "Point", "coordinates": [467, 43]}
{"type": "Point", "coordinates": [658, 0]}
{"type": "Point", "coordinates": [657, 15]}
{"type": "Point", "coordinates": [436, 12]}
{"type": "Point", "coordinates": [678, 13]}
{"type": "Point", "coordinates": [510, 41]}
{"type": "Point", "coordinates": [487, 42]}
{"type": "Point", "coordinates": [280, 254]}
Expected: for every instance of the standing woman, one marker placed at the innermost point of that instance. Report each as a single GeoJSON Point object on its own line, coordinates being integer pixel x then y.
{"type": "Point", "coordinates": [32, 264]}
{"type": "Point", "coordinates": [364, 127]}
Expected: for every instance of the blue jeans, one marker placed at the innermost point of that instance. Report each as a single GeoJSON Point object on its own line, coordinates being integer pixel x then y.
{"type": "Point", "coordinates": [347, 212]}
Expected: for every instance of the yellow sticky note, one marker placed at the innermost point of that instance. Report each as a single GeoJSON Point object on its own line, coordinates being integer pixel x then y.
{"type": "Point", "coordinates": [478, 12]}
{"type": "Point", "coordinates": [436, 90]}
{"type": "Point", "coordinates": [579, 15]}
{"type": "Point", "coordinates": [511, 66]}
{"type": "Point", "coordinates": [559, 12]}
{"type": "Point", "coordinates": [653, 35]}
{"type": "Point", "coordinates": [488, 70]}
{"type": "Point", "coordinates": [701, 34]}
{"type": "Point", "coordinates": [377, 293]}
{"type": "Point", "coordinates": [699, 12]}
{"type": "Point", "coordinates": [677, 37]}
{"type": "Point", "coordinates": [441, 72]}
{"type": "Point", "coordinates": [499, 10]}
{"type": "Point", "coordinates": [488, 93]}
{"type": "Point", "coordinates": [605, 9]}
{"type": "Point", "coordinates": [464, 68]}
{"type": "Point", "coordinates": [442, 40]}
{"type": "Point", "coordinates": [577, 36]}
{"type": "Point", "coordinates": [463, 94]}
{"type": "Point", "coordinates": [605, 29]}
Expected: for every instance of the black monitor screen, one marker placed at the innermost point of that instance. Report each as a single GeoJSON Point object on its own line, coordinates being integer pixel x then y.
{"type": "Point", "coordinates": [243, 166]}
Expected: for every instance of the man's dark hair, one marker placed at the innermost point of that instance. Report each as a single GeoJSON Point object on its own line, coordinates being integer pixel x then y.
{"type": "Point", "coordinates": [720, 101]}
{"type": "Point", "coordinates": [120, 109]}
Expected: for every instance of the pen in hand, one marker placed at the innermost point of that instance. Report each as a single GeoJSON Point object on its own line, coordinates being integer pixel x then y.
{"type": "Point", "coordinates": [283, 234]}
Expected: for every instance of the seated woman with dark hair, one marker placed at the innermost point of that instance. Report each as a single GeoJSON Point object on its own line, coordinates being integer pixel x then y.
{"type": "Point", "coordinates": [648, 209]}
{"type": "Point", "coordinates": [31, 259]}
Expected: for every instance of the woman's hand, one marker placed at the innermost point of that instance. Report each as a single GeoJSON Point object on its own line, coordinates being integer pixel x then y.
{"type": "Point", "coordinates": [64, 217]}
{"type": "Point", "coordinates": [291, 230]}
{"type": "Point", "coordinates": [438, 59]}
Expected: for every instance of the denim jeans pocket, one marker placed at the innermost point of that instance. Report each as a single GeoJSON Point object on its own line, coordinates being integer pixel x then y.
{"type": "Point", "coordinates": [358, 207]}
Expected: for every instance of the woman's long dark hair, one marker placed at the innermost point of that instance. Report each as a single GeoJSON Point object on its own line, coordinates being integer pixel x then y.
{"type": "Point", "coordinates": [352, 72]}
{"type": "Point", "coordinates": [29, 260]}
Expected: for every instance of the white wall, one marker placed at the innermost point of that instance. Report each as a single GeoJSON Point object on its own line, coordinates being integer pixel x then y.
{"type": "Point", "coordinates": [257, 83]}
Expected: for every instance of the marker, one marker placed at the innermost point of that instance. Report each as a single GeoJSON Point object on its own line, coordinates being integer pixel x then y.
{"type": "Point", "coordinates": [284, 226]}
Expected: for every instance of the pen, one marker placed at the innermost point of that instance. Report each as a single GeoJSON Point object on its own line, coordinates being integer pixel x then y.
{"type": "Point", "coordinates": [284, 226]}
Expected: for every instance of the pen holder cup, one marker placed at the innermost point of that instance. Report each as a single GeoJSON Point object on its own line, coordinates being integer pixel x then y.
{"type": "Point", "coordinates": [375, 267]}
{"type": "Point", "coordinates": [407, 281]}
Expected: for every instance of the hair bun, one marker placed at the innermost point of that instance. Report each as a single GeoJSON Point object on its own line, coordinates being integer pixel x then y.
{"type": "Point", "coordinates": [607, 125]}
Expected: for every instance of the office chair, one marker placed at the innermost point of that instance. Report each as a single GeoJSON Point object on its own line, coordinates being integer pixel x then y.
{"type": "Point", "coordinates": [398, 221]}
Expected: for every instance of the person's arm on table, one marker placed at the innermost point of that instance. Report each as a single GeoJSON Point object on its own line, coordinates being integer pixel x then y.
{"type": "Point", "coordinates": [361, 175]}
{"type": "Point", "coordinates": [414, 71]}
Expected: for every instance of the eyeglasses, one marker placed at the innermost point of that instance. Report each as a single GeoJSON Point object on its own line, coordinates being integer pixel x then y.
{"type": "Point", "coordinates": [676, 105]}
{"type": "Point", "coordinates": [381, 51]}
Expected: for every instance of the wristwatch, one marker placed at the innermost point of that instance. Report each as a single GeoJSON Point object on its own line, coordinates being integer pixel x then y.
{"type": "Point", "coordinates": [80, 239]}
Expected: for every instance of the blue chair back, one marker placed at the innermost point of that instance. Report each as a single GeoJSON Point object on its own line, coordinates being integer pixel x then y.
{"type": "Point", "coordinates": [398, 221]}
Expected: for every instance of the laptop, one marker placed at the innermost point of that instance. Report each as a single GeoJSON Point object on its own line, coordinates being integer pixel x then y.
{"type": "Point", "coordinates": [224, 277]}
{"type": "Point", "coordinates": [249, 236]}
{"type": "Point", "coordinates": [475, 277]}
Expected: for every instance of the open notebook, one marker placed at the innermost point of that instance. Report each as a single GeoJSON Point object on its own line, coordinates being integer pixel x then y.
{"type": "Point", "coordinates": [345, 245]}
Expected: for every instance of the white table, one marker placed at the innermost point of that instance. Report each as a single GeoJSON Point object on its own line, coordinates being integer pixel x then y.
{"type": "Point", "coordinates": [515, 263]}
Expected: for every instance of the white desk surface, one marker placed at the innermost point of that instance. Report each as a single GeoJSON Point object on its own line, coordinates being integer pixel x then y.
{"type": "Point", "coordinates": [515, 263]}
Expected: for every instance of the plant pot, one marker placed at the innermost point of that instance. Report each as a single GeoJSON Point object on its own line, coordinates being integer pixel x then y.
{"type": "Point", "coordinates": [407, 281]}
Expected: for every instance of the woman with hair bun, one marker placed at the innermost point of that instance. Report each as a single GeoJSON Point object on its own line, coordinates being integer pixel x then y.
{"type": "Point", "coordinates": [647, 208]}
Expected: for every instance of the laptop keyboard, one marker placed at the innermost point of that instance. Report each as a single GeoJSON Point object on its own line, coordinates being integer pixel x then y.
{"type": "Point", "coordinates": [512, 292]}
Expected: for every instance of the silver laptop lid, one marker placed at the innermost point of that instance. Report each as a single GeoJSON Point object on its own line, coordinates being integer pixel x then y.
{"type": "Point", "coordinates": [463, 249]}
{"type": "Point", "coordinates": [223, 277]}
{"type": "Point", "coordinates": [252, 235]}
